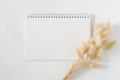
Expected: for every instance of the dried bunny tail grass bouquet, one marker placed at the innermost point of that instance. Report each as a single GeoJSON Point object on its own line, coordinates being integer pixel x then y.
{"type": "Point", "coordinates": [92, 49]}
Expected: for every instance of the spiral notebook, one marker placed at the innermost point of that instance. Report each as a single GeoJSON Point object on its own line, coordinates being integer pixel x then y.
{"type": "Point", "coordinates": [54, 36]}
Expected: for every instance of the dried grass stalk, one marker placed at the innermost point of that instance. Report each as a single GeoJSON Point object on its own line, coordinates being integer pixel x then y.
{"type": "Point", "coordinates": [79, 64]}
{"type": "Point", "coordinates": [92, 49]}
{"type": "Point", "coordinates": [105, 41]}
{"type": "Point", "coordinates": [98, 41]}
{"type": "Point", "coordinates": [94, 65]}
{"type": "Point", "coordinates": [77, 51]}
{"type": "Point", "coordinates": [99, 59]}
{"type": "Point", "coordinates": [110, 45]}
{"type": "Point", "coordinates": [83, 48]}
{"type": "Point", "coordinates": [99, 51]}
{"type": "Point", "coordinates": [106, 26]}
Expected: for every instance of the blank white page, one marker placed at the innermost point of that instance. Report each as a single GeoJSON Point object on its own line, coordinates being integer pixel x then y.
{"type": "Point", "coordinates": [54, 36]}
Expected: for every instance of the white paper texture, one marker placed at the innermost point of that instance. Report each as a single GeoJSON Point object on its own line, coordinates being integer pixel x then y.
{"type": "Point", "coordinates": [55, 38]}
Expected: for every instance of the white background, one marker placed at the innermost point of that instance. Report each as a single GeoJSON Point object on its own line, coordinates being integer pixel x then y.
{"type": "Point", "coordinates": [13, 66]}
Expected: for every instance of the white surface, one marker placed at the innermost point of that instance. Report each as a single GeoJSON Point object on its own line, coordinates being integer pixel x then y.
{"type": "Point", "coordinates": [12, 63]}
{"type": "Point", "coordinates": [55, 38]}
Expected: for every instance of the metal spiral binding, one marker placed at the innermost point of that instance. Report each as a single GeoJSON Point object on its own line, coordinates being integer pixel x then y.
{"type": "Point", "coordinates": [58, 16]}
